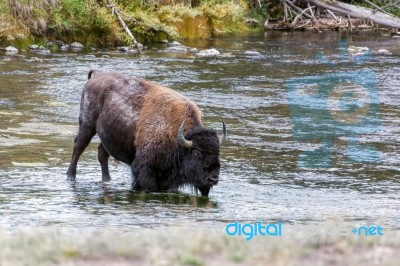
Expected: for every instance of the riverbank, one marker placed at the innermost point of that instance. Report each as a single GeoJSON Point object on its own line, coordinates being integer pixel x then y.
{"type": "Point", "coordinates": [93, 24]}
{"type": "Point", "coordinates": [191, 246]}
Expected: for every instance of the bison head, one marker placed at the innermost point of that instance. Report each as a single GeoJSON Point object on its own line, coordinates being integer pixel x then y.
{"type": "Point", "coordinates": [200, 162]}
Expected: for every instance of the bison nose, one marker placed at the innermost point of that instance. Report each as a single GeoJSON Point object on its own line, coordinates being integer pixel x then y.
{"type": "Point", "coordinates": [212, 180]}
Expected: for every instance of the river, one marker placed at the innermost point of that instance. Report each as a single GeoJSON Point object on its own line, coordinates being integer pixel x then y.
{"type": "Point", "coordinates": [263, 175]}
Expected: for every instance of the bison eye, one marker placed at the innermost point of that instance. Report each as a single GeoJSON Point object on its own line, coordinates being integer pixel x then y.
{"type": "Point", "coordinates": [197, 154]}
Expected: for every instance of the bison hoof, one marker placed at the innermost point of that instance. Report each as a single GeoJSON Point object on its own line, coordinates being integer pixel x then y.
{"type": "Point", "coordinates": [204, 191]}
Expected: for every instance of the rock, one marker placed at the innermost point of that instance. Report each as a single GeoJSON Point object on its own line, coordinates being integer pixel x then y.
{"type": "Point", "coordinates": [176, 49]}
{"type": "Point", "coordinates": [43, 52]}
{"type": "Point", "coordinates": [363, 48]}
{"type": "Point", "coordinates": [355, 49]}
{"type": "Point", "coordinates": [40, 50]}
{"type": "Point", "coordinates": [33, 47]}
{"type": "Point", "coordinates": [384, 52]}
{"type": "Point", "coordinates": [164, 42]}
{"type": "Point", "coordinates": [251, 21]}
{"type": "Point", "coordinates": [50, 44]}
{"type": "Point", "coordinates": [193, 50]}
{"type": "Point", "coordinates": [11, 50]}
{"type": "Point", "coordinates": [208, 53]}
{"type": "Point", "coordinates": [139, 46]}
{"type": "Point", "coordinates": [76, 46]}
{"type": "Point", "coordinates": [174, 43]}
{"type": "Point", "coordinates": [93, 49]}
{"type": "Point", "coordinates": [131, 49]}
{"type": "Point", "coordinates": [252, 53]}
{"type": "Point", "coordinates": [64, 47]}
{"type": "Point", "coordinates": [59, 43]}
{"type": "Point", "coordinates": [123, 49]}
{"type": "Point", "coordinates": [34, 59]}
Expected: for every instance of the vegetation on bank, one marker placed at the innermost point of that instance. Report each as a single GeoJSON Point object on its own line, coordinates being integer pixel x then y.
{"type": "Point", "coordinates": [92, 22]}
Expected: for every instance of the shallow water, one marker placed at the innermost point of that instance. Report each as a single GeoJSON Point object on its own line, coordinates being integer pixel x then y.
{"type": "Point", "coordinates": [261, 178]}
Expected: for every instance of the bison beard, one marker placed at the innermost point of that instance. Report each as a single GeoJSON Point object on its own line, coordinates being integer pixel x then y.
{"type": "Point", "coordinates": [143, 124]}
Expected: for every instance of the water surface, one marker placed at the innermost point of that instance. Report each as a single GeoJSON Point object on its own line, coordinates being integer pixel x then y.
{"type": "Point", "coordinates": [260, 175]}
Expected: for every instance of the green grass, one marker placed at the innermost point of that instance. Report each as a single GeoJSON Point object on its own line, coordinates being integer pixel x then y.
{"type": "Point", "coordinates": [91, 22]}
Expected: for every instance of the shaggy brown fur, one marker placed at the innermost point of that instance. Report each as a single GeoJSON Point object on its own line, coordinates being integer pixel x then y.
{"type": "Point", "coordinates": [137, 122]}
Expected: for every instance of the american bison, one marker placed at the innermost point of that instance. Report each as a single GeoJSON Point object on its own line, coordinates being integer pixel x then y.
{"type": "Point", "coordinates": [154, 129]}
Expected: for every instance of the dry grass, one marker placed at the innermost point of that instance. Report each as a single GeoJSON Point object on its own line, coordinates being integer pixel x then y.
{"type": "Point", "coordinates": [33, 14]}
{"type": "Point", "coordinates": [189, 246]}
{"type": "Point", "coordinates": [209, 18]}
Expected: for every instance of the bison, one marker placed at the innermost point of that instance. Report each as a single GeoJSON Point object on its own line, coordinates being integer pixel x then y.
{"type": "Point", "coordinates": [154, 129]}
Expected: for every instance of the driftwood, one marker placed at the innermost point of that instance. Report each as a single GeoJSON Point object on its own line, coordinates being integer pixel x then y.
{"type": "Point", "coordinates": [376, 16]}
{"type": "Point", "coordinates": [332, 15]}
{"type": "Point", "coordinates": [285, 10]}
{"type": "Point", "coordinates": [123, 24]}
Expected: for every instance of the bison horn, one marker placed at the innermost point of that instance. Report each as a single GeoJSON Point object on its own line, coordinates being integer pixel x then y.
{"type": "Point", "coordinates": [223, 137]}
{"type": "Point", "coordinates": [181, 138]}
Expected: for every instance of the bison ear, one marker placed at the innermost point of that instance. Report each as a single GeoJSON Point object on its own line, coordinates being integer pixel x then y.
{"type": "Point", "coordinates": [181, 137]}
{"type": "Point", "coordinates": [223, 137]}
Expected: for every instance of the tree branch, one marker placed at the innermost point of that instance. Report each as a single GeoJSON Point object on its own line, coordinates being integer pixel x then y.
{"type": "Point", "coordinates": [376, 7]}
{"type": "Point", "coordinates": [357, 12]}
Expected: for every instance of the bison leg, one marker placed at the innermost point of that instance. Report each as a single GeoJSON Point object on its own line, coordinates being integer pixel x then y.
{"type": "Point", "coordinates": [144, 179]}
{"type": "Point", "coordinates": [103, 156]}
{"type": "Point", "coordinates": [81, 141]}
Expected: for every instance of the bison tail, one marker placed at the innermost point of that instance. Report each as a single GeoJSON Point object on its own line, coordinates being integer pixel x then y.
{"type": "Point", "coordinates": [91, 72]}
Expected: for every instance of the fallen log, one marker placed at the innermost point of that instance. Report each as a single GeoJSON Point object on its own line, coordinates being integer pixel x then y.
{"type": "Point", "coordinates": [123, 24]}
{"type": "Point", "coordinates": [353, 11]}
